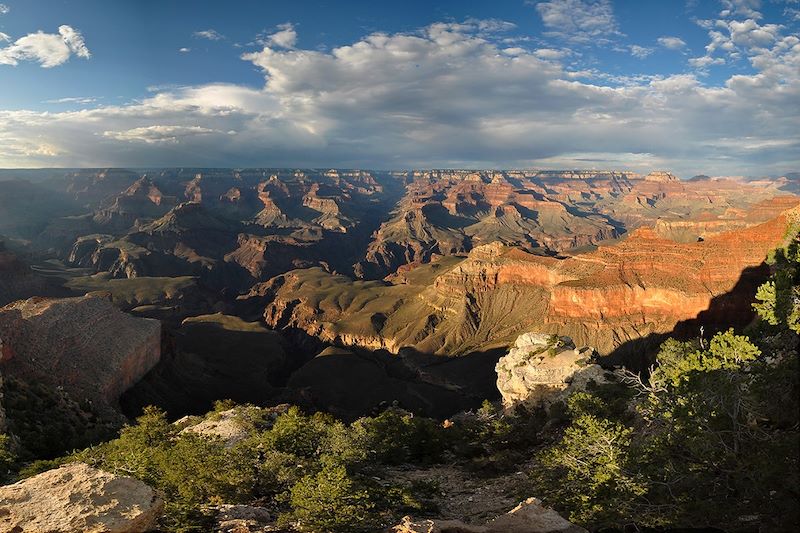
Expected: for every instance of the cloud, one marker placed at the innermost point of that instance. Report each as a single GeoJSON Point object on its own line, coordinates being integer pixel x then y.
{"type": "Point", "coordinates": [672, 43]}
{"type": "Point", "coordinates": [4, 9]}
{"type": "Point", "coordinates": [184, 50]}
{"type": "Point", "coordinates": [48, 49]}
{"type": "Point", "coordinates": [4, 37]}
{"type": "Point", "coordinates": [580, 21]}
{"type": "Point", "coordinates": [285, 38]}
{"type": "Point", "coordinates": [703, 62]}
{"type": "Point", "coordinates": [446, 95]}
{"type": "Point", "coordinates": [73, 100]}
{"type": "Point", "coordinates": [209, 34]}
{"type": "Point", "coordinates": [159, 134]}
{"type": "Point", "coordinates": [640, 51]}
{"type": "Point", "coordinates": [745, 8]}
{"type": "Point", "coordinates": [735, 40]}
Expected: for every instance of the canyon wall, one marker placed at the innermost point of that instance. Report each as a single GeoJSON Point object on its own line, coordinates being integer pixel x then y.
{"type": "Point", "coordinates": [641, 285]}
{"type": "Point", "coordinates": [85, 346]}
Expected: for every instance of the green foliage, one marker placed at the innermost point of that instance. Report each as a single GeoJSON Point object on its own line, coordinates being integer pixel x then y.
{"type": "Point", "coordinates": [298, 434]}
{"type": "Point", "coordinates": [7, 457]}
{"type": "Point", "coordinates": [331, 501]}
{"type": "Point", "coordinates": [591, 471]}
{"type": "Point", "coordinates": [314, 469]}
{"type": "Point", "coordinates": [705, 440]}
{"type": "Point", "coordinates": [778, 300]}
{"type": "Point", "coordinates": [396, 437]}
{"type": "Point", "coordinates": [66, 426]}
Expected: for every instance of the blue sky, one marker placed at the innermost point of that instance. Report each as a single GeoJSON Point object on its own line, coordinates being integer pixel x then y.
{"type": "Point", "coordinates": [698, 86]}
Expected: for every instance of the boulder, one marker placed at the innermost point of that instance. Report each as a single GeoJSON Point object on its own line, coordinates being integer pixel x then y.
{"type": "Point", "coordinates": [540, 369]}
{"type": "Point", "coordinates": [224, 425]}
{"type": "Point", "coordinates": [529, 516]}
{"type": "Point", "coordinates": [243, 519]}
{"type": "Point", "coordinates": [77, 497]}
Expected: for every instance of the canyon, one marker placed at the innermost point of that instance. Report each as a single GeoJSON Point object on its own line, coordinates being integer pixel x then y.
{"type": "Point", "coordinates": [301, 284]}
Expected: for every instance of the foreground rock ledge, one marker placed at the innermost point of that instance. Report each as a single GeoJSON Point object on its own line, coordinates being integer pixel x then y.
{"type": "Point", "coordinates": [527, 517]}
{"type": "Point", "coordinates": [78, 498]}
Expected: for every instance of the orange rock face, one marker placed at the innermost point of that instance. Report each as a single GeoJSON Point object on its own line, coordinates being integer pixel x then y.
{"type": "Point", "coordinates": [643, 284]}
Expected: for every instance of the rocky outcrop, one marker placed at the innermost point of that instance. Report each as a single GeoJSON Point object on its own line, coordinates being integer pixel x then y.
{"type": "Point", "coordinates": [529, 516]}
{"type": "Point", "coordinates": [541, 368]}
{"type": "Point", "coordinates": [85, 346]}
{"type": "Point", "coordinates": [77, 497]}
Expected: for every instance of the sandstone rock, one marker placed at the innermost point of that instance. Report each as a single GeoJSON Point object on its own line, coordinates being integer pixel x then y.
{"type": "Point", "coordinates": [223, 425]}
{"type": "Point", "coordinates": [78, 498]}
{"type": "Point", "coordinates": [227, 425]}
{"type": "Point", "coordinates": [243, 519]}
{"type": "Point", "coordinates": [541, 368]}
{"type": "Point", "coordinates": [527, 517]}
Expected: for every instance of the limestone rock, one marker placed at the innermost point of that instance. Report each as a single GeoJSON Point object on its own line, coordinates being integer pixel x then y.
{"type": "Point", "coordinates": [409, 525]}
{"type": "Point", "coordinates": [529, 516]}
{"type": "Point", "coordinates": [227, 425]}
{"type": "Point", "coordinates": [540, 368]}
{"type": "Point", "coordinates": [223, 425]}
{"type": "Point", "coordinates": [77, 497]}
{"type": "Point", "coordinates": [243, 519]}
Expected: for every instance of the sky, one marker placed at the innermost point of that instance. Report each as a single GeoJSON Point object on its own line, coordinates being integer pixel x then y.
{"type": "Point", "coordinates": [692, 86]}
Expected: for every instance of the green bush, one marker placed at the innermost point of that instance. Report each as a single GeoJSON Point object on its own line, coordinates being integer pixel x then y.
{"type": "Point", "coordinates": [331, 501]}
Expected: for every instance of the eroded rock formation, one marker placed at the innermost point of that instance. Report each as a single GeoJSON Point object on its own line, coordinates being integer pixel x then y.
{"type": "Point", "coordinates": [643, 284]}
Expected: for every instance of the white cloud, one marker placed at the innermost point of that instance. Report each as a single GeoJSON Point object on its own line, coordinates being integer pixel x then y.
{"type": "Point", "coordinates": [745, 8]}
{"type": "Point", "coordinates": [580, 21]}
{"type": "Point", "coordinates": [286, 37]}
{"type": "Point", "coordinates": [159, 134]}
{"type": "Point", "coordinates": [184, 50]}
{"type": "Point", "coordinates": [672, 43]}
{"type": "Point", "coordinates": [209, 34]}
{"type": "Point", "coordinates": [73, 100]}
{"type": "Point", "coordinates": [4, 9]}
{"type": "Point", "coordinates": [552, 54]}
{"type": "Point", "coordinates": [703, 62]}
{"type": "Point", "coordinates": [445, 95]}
{"type": "Point", "coordinates": [640, 51]}
{"type": "Point", "coordinates": [4, 37]}
{"type": "Point", "coordinates": [48, 49]}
